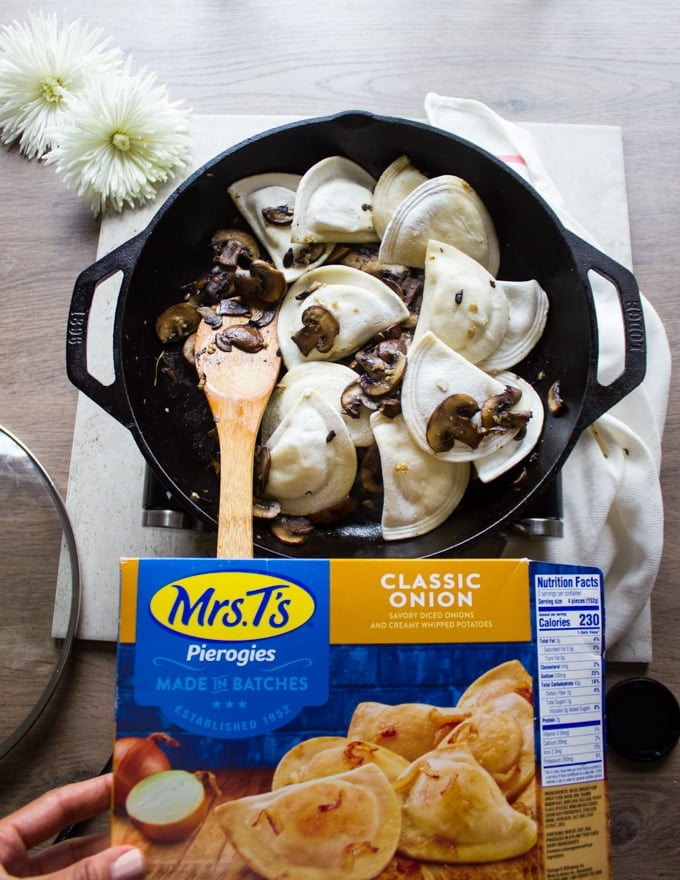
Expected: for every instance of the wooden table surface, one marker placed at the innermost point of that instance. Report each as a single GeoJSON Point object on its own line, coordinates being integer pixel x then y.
{"type": "Point", "coordinates": [614, 62]}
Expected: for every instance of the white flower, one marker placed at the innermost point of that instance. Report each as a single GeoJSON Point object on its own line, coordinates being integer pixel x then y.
{"type": "Point", "coordinates": [42, 64]}
{"type": "Point", "coordinates": [121, 139]}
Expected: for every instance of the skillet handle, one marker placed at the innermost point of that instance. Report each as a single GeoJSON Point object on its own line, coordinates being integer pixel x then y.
{"type": "Point", "coordinates": [112, 398]}
{"type": "Point", "coordinates": [600, 398]}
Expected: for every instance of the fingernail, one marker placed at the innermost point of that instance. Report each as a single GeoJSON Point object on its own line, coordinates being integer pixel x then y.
{"type": "Point", "coordinates": [128, 866]}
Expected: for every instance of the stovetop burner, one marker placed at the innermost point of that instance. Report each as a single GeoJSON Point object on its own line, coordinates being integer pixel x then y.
{"type": "Point", "coordinates": [543, 518]}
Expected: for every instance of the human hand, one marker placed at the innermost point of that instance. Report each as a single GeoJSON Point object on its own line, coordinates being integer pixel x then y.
{"type": "Point", "coordinates": [78, 858]}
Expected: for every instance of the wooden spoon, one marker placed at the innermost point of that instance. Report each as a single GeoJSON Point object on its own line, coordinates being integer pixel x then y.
{"type": "Point", "coordinates": [237, 384]}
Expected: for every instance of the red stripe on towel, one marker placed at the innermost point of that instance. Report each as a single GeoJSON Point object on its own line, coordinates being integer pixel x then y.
{"type": "Point", "coordinates": [519, 160]}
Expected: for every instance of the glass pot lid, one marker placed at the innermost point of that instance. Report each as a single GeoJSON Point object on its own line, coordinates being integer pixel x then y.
{"type": "Point", "coordinates": [35, 538]}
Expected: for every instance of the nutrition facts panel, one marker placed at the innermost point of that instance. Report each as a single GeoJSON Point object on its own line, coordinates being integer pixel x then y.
{"type": "Point", "coordinates": [569, 624]}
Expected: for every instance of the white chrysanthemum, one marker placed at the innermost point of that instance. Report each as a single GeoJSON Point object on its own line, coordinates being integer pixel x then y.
{"type": "Point", "coordinates": [121, 139]}
{"type": "Point", "coordinates": [42, 64]}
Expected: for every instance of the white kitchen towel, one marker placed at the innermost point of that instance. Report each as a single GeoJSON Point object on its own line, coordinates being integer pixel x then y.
{"type": "Point", "coordinates": [613, 506]}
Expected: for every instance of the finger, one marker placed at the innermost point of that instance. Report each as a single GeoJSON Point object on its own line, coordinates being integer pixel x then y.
{"type": "Point", "coordinates": [43, 818]}
{"type": "Point", "coordinates": [115, 863]}
{"type": "Point", "coordinates": [52, 858]}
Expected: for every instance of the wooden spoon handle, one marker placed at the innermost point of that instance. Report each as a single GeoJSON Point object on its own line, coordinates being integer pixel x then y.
{"type": "Point", "coordinates": [237, 431]}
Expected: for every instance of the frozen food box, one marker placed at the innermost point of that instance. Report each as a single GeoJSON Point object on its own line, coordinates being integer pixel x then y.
{"type": "Point", "coordinates": [356, 719]}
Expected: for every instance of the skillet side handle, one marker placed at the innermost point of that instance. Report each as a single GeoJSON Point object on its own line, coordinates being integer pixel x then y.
{"type": "Point", "coordinates": [602, 397]}
{"type": "Point", "coordinates": [111, 398]}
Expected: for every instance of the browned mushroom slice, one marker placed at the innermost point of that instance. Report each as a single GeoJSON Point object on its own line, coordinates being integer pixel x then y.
{"type": "Point", "coordinates": [241, 336]}
{"type": "Point", "coordinates": [266, 508]}
{"type": "Point", "coordinates": [177, 322]}
{"type": "Point", "coordinates": [318, 331]}
{"type": "Point", "coordinates": [188, 349]}
{"type": "Point", "coordinates": [556, 403]}
{"type": "Point", "coordinates": [233, 306]}
{"type": "Point", "coordinates": [260, 281]}
{"type": "Point", "coordinates": [435, 373]}
{"type": "Point", "coordinates": [272, 284]}
{"type": "Point", "coordinates": [524, 422]}
{"type": "Point", "coordinates": [265, 318]}
{"type": "Point", "coordinates": [210, 316]}
{"type": "Point", "coordinates": [359, 256]}
{"type": "Point", "coordinates": [496, 413]}
{"type": "Point", "coordinates": [384, 368]}
{"type": "Point", "coordinates": [354, 400]}
{"type": "Point", "coordinates": [278, 215]}
{"type": "Point", "coordinates": [230, 246]}
{"type": "Point", "coordinates": [301, 256]}
{"type": "Point", "coordinates": [292, 529]}
{"type": "Point", "coordinates": [451, 422]}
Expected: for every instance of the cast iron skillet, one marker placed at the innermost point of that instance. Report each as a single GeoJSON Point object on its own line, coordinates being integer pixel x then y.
{"type": "Point", "coordinates": [168, 416]}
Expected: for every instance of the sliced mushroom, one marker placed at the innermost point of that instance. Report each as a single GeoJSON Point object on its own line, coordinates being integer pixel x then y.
{"type": "Point", "coordinates": [556, 402]}
{"type": "Point", "coordinates": [357, 256]}
{"type": "Point", "coordinates": [384, 369]}
{"type": "Point", "coordinates": [232, 246]}
{"type": "Point", "coordinates": [272, 282]}
{"type": "Point", "coordinates": [210, 316]}
{"type": "Point", "coordinates": [266, 508]}
{"type": "Point", "coordinates": [451, 422]}
{"type": "Point", "coordinates": [242, 336]}
{"type": "Point", "coordinates": [217, 285]}
{"type": "Point", "coordinates": [292, 529]}
{"type": "Point", "coordinates": [278, 215]}
{"type": "Point", "coordinates": [354, 399]}
{"type": "Point", "coordinates": [233, 306]}
{"type": "Point", "coordinates": [390, 407]}
{"type": "Point", "coordinates": [496, 413]}
{"type": "Point", "coordinates": [303, 255]}
{"type": "Point", "coordinates": [177, 322]}
{"type": "Point", "coordinates": [188, 349]}
{"type": "Point", "coordinates": [265, 318]}
{"type": "Point", "coordinates": [318, 331]}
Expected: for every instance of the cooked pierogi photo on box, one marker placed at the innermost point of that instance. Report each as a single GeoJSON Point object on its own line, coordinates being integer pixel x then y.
{"type": "Point", "coordinates": [411, 789]}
